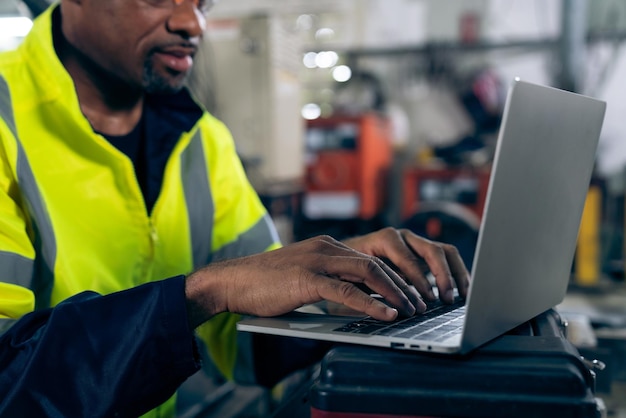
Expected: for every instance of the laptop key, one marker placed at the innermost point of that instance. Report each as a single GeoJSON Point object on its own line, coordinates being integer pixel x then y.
{"type": "Point", "coordinates": [407, 327]}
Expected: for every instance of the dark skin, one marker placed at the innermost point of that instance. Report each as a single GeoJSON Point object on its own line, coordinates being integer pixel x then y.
{"type": "Point", "coordinates": [322, 268]}
{"type": "Point", "coordinates": [108, 46]}
{"type": "Point", "coordinates": [116, 51]}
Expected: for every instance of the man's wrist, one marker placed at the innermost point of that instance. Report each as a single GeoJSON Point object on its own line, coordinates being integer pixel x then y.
{"type": "Point", "coordinates": [202, 295]}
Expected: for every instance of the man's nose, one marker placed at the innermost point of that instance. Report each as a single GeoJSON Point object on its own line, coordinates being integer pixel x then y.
{"type": "Point", "coordinates": [187, 19]}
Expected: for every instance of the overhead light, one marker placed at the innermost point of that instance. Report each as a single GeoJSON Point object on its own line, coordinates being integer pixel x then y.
{"type": "Point", "coordinates": [309, 60]}
{"type": "Point", "coordinates": [324, 34]}
{"type": "Point", "coordinates": [326, 59]}
{"type": "Point", "coordinates": [342, 73]}
{"type": "Point", "coordinates": [304, 22]}
{"type": "Point", "coordinates": [311, 111]}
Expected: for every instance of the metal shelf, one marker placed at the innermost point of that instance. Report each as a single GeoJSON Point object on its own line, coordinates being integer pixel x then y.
{"type": "Point", "coordinates": [443, 47]}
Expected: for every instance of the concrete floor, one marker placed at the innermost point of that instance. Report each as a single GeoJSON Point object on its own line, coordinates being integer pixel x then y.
{"type": "Point", "coordinates": [202, 397]}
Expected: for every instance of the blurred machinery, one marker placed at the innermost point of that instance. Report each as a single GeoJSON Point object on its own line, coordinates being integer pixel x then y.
{"type": "Point", "coordinates": [445, 205]}
{"type": "Point", "coordinates": [444, 192]}
{"type": "Point", "coordinates": [347, 163]}
{"type": "Point", "coordinates": [588, 258]}
{"type": "Point", "coordinates": [463, 185]}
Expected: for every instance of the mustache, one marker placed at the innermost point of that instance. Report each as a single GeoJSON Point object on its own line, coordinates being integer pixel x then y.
{"type": "Point", "coordinates": [185, 47]}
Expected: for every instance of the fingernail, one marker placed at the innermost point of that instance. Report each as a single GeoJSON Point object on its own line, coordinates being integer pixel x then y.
{"type": "Point", "coordinates": [449, 296]}
{"type": "Point", "coordinates": [392, 313]}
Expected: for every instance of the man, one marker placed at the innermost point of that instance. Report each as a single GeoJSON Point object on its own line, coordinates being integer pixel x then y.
{"type": "Point", "coordinates": [126, 222]}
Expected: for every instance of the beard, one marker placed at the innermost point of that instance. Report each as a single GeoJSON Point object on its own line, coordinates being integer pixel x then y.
{"type": "Point", "coordinates": [155, 83]}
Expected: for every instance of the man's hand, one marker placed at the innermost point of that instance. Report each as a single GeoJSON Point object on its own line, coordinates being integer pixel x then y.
{"type": "Point", "coordinates": [322, 268]}
{"type": "Point", "coordinates": [411, 256]}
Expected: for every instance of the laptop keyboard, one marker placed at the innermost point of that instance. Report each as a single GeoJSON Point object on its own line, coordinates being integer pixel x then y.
{"type": "Point", "coordinates": [438, 323]}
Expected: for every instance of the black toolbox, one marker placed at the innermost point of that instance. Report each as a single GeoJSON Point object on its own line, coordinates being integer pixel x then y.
{"type": "Point", "coordinates": [531, 372]}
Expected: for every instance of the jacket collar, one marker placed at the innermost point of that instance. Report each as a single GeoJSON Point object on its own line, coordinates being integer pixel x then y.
{"type": "Point", "coordinates": [56, 84]}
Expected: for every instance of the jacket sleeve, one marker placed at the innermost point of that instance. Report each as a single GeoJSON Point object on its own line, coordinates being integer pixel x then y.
{"type": "Point", "coordinates": [116, 355]}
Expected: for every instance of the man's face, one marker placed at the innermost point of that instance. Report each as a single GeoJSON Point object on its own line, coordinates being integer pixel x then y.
{"type": "Point", "coordinates": [148, 44]}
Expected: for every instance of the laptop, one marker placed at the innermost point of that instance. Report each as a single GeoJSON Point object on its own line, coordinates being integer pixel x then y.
{"type": "Point", "coordinates": [540, 176]}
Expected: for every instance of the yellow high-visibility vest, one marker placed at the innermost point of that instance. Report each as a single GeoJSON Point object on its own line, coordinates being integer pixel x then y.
{"type": "Point", "coordinates": [72, 215]}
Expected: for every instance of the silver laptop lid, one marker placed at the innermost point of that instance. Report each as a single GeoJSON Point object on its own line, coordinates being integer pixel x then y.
{"type": "Point", "coordinates": [542, 168]}
{"type": "Point", "coordinates": [539, 181]}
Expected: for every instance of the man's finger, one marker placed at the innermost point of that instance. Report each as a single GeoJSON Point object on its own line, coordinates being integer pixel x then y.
{"type": "Point", "coordinates": [349, 295]}
{"type": "Point", "coordinates": [436, 259]}
{"type": "Point", "coordinates": [458, 269]}
{"type": "Point", "coordinates": [373, 273]}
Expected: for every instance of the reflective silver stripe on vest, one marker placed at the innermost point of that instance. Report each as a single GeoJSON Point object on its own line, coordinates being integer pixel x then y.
{"type": "Point", "coordinates": [45, 242]}
{"type": "Point", "coordinates": [200, 211]}
{"type": "Point", "coordinates": [253, 241]}
{"type": "Point", "coordinates": [16, 269]}
{"type": "Point", "coordinates": [6, 111]}
{"type": "Point", "coordinates": [199, 200]}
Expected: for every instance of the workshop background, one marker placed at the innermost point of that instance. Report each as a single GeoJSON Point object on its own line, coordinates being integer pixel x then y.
{"type": "Point", "coordinates": [350, 115]}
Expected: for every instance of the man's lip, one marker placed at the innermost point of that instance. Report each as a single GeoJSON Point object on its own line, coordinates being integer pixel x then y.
{"type": "Point", "coordinates": [178, 50]}
{"type": "Point", "coordinates": [179, 59]}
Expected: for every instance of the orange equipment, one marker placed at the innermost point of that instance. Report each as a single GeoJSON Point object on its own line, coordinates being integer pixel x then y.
{"type": "Point", "coordinates": [347, 164]}
{"type": "Point", "coordinates": [464, 185]}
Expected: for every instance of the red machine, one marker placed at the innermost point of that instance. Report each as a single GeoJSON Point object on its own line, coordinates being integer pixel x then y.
{"type": "Point", "coordinates": [347, 162]}
{"type": "Point", "coordinates": [445, 205]}
{"type": "Point", "coordinates": [466, 186]}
